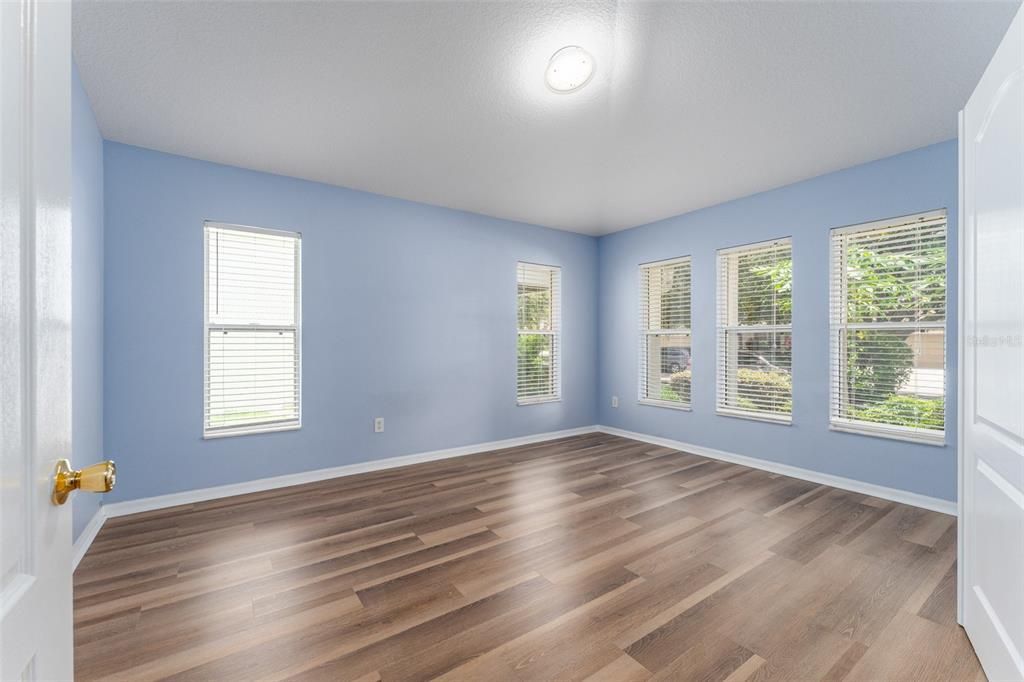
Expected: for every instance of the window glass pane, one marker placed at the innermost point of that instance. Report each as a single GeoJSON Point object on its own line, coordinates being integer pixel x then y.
{"type": "Point", "coordinates": [755, 286]}
{"type": "Point", "coordinates": [757, 368]}
{"type": "Point", "coordinates": [896, 275]}
{"type": "Point", "coordinates": [252, 337]}
{"type": "Point", "coordinates": [888, 332]}
{"type": "Point", "coordinates": [894, 377]}
{"type": "Point", "coordinates": [764, 284]}
{"type": "Point", "coordinates": [666, 296]}
{"type": "Point", "coordinates": [535, 299]}
{"type": "Point", "coordinates": [665, 372]}
{"type": "Point", "coordinates": [250, 277]}
{"type": "Point", "coordinates": [253, 378]}
{"type": "Point", "coordinates": [668, 368]}
{"type": "Point", "coordinates": [538, 304]}
{"type": "Point", "coordinates": [536, 365]}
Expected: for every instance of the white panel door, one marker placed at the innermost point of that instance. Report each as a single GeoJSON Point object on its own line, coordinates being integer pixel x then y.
{"type": "Point", "coordinates": [992, 417]}
{"type": "Point", "coordinates": [35, 338]}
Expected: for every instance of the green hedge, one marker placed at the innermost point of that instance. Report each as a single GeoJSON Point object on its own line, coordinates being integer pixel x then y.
{"type": "Point", "coordinates": [905, 410]}
{"type": "Point", "coordinates": [678, 386]}
{"type": "Point", "coordinates": [756, 389]}
{"type": "Point", "coordinates": [763, 391]}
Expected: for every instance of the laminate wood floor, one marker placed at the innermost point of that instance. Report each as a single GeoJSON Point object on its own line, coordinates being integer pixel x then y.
{"type": "Point", "coordinates": [593, 557]}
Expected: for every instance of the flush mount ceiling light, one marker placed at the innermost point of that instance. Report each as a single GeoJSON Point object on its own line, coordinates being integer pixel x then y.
{"type": "Point", "coordinates": [569, 69]}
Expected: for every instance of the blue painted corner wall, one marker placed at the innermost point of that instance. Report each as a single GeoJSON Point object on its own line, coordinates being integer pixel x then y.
{"type": "Point", "coordinates": [86, 295]}
{"type": "Point", "coordinates": [900, 185]}
{"type": "Point", "coordinates": [409, 313]}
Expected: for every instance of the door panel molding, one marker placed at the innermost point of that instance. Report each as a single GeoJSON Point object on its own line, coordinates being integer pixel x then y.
{"type": "Point", "coordinates": [990, 586]}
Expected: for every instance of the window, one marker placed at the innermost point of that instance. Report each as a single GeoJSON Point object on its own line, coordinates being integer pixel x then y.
{"type": "Point", "coordinates": [755, 331]}
{"type": "Point", "coordinates": [252, 314]}
{"type": "Point", "coordinates": [665, 370]}
{"type": "Point", "coordinates": [538, 376]}
{"type": "Point", "coordinates": [888, 327]}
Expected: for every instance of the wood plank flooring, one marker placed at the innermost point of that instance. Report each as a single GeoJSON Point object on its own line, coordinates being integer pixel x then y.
{"type": "Point", "coordinates": [587, 558]}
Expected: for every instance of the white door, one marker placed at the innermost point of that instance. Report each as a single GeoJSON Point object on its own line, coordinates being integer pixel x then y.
{"type": "Point", "coordinates": [992, 339]}
{"type": "Point", "coordinates": [35, 338]}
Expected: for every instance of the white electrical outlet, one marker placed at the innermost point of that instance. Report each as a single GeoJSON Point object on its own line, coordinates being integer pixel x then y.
{"type": "Point", "coordinates": [378, 425]}
{"type": "Point", "coordinates": [615, 401]}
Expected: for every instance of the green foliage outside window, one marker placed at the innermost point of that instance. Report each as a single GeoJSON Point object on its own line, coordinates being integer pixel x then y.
{"type": "Point", "coordinates": [535, 375]}
{"type": "Point", "coordinates": [767, 289]}
{"type": "Point", "coordinates": [534, 350]}
{"type": "Point", "coordinates": [906, 410]}
{"type": "Point", "coordinates": [869, 378]}
{"type": "Point", "coordinates": [878, 289]}
{"type": "Point", "coordinates": [678, 387]}
{"type": "Point", "coordinates": [772, 283]}
{"type": "Point", "coordinates": [879, 362]}
{"type": "Point", "coordinates": [534, 308]}
{"type": "Point", "coordinates": [764, 391]}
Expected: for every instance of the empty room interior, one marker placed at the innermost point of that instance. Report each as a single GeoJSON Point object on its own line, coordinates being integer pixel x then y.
{"type": "Point", "coordinates": [617, 340]}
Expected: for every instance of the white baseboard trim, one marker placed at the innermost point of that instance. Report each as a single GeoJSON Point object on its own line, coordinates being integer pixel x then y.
{"type": "Point", "coordinates": [259, 485]}
{"type": "Point", "coordinates": [201, 495]}
{"type": "Point", "coordinates": [886, 493]}
{"type": "Point", "coordinates": [88, 534]}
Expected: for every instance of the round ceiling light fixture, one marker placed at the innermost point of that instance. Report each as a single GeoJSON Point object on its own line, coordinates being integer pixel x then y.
{"type": "Point", "coordinates": [569, 69]}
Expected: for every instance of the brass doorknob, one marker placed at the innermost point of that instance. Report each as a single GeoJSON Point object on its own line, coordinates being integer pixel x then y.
{"type": "Point", "coordinates": [96, 478]}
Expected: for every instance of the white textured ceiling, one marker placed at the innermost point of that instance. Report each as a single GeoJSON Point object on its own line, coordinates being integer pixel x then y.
{"type": "Point", "coordinates": [692, 103]}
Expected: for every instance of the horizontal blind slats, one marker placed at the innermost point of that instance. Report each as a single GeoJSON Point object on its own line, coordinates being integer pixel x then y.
{"type": "Point", "coordinates": [250, 277]}
{"type": "Point", "coordinates": [252, 377]}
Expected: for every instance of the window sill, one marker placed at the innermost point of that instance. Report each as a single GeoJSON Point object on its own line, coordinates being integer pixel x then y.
{"type": "Point", "coordinates": [522, 402]}
{"type": "Point", "coordinates": [754, 416]}
{"type": "Point", "coordinates": [892, 433]}
{"type": "Point", "coordinates": [682, 407]}
{"type": "Point", "coordinates": [250, 431]}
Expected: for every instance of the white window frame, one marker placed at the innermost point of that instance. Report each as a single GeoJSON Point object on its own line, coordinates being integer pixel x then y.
{"type": "Point", "coordinates": [644, 361]}
{"type": "Point", "coordinates": [555, 333]}
{"type": "Point", "coordinates": [838, 327]}
{"type": "Point", "coordinates": [288, 425]}
{"type": "Point", "coordinates": [725, 300]}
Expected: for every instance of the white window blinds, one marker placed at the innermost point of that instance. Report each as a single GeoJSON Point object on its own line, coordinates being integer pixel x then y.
{"type": "Point", "coordinates": [539, 300]}
{"type": "Point", "coordinates": [252, 313]}
{"type": "Point", "coordinates": [755, 332]}
{"type": "Point", "coordinates": [665, 371]}
{"type": "Point", "coordinates": [888, 327]}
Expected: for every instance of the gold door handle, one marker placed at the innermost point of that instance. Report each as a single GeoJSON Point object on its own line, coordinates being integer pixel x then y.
{"type": "Point", "coordinates": [96, 478]}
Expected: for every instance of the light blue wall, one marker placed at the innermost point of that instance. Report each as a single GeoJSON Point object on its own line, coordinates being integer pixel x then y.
{"type": "Point", "coordinates": [408, 313]}
{"type": "Point", "coordinates": [909, 183]}
{"type": "Point", "coordinates": [86, 295]}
